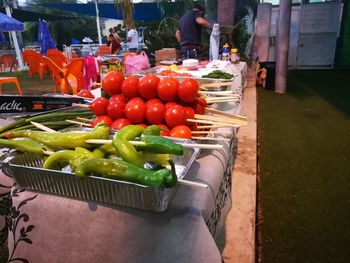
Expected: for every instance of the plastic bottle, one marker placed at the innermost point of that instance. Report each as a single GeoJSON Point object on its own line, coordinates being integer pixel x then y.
{"type": "Point", "coordinates": [234, 57]}
{"type": "Point", "coordinates": [225, 52]}
{"type": "Point", "coordinates": [214, 43]}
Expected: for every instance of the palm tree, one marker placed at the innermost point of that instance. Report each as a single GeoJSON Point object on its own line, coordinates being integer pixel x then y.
{"type": "Point", "coordinates": [128, 10]}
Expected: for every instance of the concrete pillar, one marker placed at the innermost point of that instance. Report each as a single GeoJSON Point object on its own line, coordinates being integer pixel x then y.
{"type": "Point", "coordinates": [282, 45]}
{"type": "Point", "coordinates": [226, 12]}
{"type": "Point", "coordinates": [262, 31]}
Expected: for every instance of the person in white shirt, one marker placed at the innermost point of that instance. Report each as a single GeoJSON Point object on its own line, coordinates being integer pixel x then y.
{"type": "Point", "coordinates": [133, 37]}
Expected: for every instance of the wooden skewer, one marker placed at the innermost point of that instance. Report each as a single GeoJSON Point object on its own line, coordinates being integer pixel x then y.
{"type": "Point", "coordinates": [214, 122]}
{"type": "Point", "coordinates": [42, 127]}
{"type": "Point", "coordinates": [185, 145]}
{"type": "Point", "coordinates": [79, 122]}
{"type": "Point", "coordinates": [211, 139]}
{"type": "Point", "coordinates": [220, 119]}
{"type": "Point", "coordinates": [96, 83]}
{"type": "Point", "coordinates": [81, 105]}
{"type": "Point", "coordinates": [216, 84]}
{"type": "Point", "coordinates": [220, 101]}
{"type": "Point", "coordinates": [191, 183]}
{"type": "Point", "coordinates": [216, 92]}
{"type": "Point", "coordinates": [84, 119]}
{"type": "Point", "coordinates": [217, 112]}
{"type": "Point", "coordinates": [211, 132]}
{"type": "Point", "coordinates": [213, 126]}
{"type": "Point", "coordinates": [47, 152]}
{"type": "Point", "coordinates": [221, 98]}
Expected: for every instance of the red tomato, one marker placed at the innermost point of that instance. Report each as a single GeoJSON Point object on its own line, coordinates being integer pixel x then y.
{"type": "Point", "coordinates": [115, 109]}
{"type": "Point", "coordinates": [135, 110]}
{"type": "Point", "coordinates": [181, 131]}
{"type": "Point", "coordinates": [164, 130]}
{"type": "Point", "coordinates": [189, 112]}
{"type": "Point", "coordinates": [148, 86]}
{"type": "Point", "coordinates": [142, 125]}
{"type": "Point", "coordinates": [167, 89]}
{"type": "Point", "coordinates": [199, 105]}
{"type": "Point", "coordinates": [106, 119]}
{"type": "Point", "coordinates": [99, 106]}
{"type": "Point", "coordinates": [120, 123]}
{"type": "Point", "coordinates": [201, 101]}
{"type": "Point", "coordinates": [85, 94]}
{"type": "Point", "coordinates": [152, 101]}
{"type": "Point", "coordinates": [118, 97]}
{"type": "Point", "coordinates": [155, 113]}
{"type": "Point", "coordinates": [188, 90]}
{"type": "Point", "coordinates": [130, 87]}
{"type": "Point", "coordinates": [198, 108]}
{"type": "Point", "coordinates": [175, 115]}
{"type": "Point", "coordinates": [112, 82]}
{"type": "Point", "coordinates": [169, 104]}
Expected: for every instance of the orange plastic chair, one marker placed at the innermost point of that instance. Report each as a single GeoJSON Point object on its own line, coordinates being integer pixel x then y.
{"type": "Point", "coordinates": [70, 75]}
{"type": "Point", "coordinates": [9, 80]}
{"type": "Point", "coordinates": [103, 50]}
{"type": "Point", "coordinates": [57, 56]}
{"type": "Point", "coordinates": [35, 62]}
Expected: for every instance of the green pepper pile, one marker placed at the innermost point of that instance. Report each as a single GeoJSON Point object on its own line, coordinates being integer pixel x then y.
{"type": "Point", "coordinates": [84, 158]}
{"type": "Point", "coordinates": [218, 74]}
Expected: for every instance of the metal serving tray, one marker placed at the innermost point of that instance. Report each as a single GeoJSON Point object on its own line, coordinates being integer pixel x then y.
{"type": "Point", "coordinates": [28, 172]}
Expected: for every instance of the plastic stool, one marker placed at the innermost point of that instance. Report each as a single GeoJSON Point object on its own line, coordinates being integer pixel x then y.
{"type": "Point", "coordinates": [10, 80]}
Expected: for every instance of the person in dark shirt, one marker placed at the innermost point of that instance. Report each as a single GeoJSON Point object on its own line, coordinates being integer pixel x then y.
{"type": "Point", "coordinates": [189, 31]}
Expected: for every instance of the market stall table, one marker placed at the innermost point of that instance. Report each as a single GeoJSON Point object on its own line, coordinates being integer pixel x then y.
{"type": "Point", "coordinates": [48, 228]}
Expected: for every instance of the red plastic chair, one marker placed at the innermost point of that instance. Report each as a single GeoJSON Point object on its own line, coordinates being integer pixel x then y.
{"type": "Point", "coordinates": [69, 76]}
{"type": "Point", "coordinates": [35, 63]}
{"type": "Point", "coordinates": [57, 56]}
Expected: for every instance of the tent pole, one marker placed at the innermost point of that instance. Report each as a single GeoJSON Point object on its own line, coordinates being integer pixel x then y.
{"type": "Point", "coordinates": [15, 42]}
{"type": "Point", "coordinates": [98, 24]}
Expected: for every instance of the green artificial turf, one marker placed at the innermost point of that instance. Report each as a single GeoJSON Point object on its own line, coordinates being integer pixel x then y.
{"type": "Point", "coordinates": [304, 162]}
{"type": "Point", "coordinates": [29, 86]}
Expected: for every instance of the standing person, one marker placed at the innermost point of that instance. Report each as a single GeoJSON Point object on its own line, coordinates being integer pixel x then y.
{"type": "Point", "coordinates": [115, 34]}
{"type": "Point", "coordinates": [189, 31]}
{"type": "Point", "coordinates": [133, 37]}
{"type": "Point", "coordinates": [113, 44]}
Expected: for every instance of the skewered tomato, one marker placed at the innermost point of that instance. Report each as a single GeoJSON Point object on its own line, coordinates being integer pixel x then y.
{"type": "Point", "coordinates": [118, 97]}
{"type": "Point", "coordinates": [188, 90]}
{"type": "Point", "coordinates": [98, 106]}
{"type": "Point", "coordinates": [85, 94]}
{"type": "Point", "coordinates": [148, 86]}
{"type": "Point", "coordinates": [181, 131]}
{"type": "Point", "coordinates": [155, 113]}
{"type": "Point", "coordinates": [164, 130]}
{"type": "Point", "coordinates": [152, 101]}
{"type": "Point", "coordinates": [112, 82]}
{"type": "Point", "coordinates": [130, 87]}
{"type": "Point", "coordinates": [175, 115]}
{"type": "Point", "coordinates": [167, 89]}
{"type": "Point", "coordinates": [135, 110]}
{"type": "Point", "coordinates": [115, 109]}
{"type": "Point", "coordinates": [120, 123]}
{"type": "Point", "coordinates": [106, 119]}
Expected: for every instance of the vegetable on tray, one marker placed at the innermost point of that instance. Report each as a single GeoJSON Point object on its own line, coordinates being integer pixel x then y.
{"type": "Point", "coordinates": [24, 145]}
{"type": "Point", "coordinates": [122, 170]}
{"type": "Point", "coordinates": [68, 140]}
{"type": "Point", "coordinates": [218, 74]}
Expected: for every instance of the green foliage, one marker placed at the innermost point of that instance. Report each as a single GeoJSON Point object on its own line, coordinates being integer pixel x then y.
{"type": "Point", "coordinates": [62, 31]}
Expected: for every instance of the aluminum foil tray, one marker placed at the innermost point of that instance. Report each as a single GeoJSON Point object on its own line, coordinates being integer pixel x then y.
{"type": "Point", "coordinates": [28, 172]}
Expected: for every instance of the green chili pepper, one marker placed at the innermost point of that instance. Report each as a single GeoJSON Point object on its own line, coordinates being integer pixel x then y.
{"type": "Point", "coordinates": [152, 130]}
{"type": "Point", "coordinates": [126, 150]}
{"type": "Point", "coordinates": [25, 145]}
{"type": "Point", "coordinates": [159, 144]}
{"type": "Point", "coordinates": [125, 171]}
{"type": "Point", "coordinates": [69, 140]}
{"type": "Point", "coordinates": [104, 150]}
{"type": "Point", "coordinates": [60, 159]}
